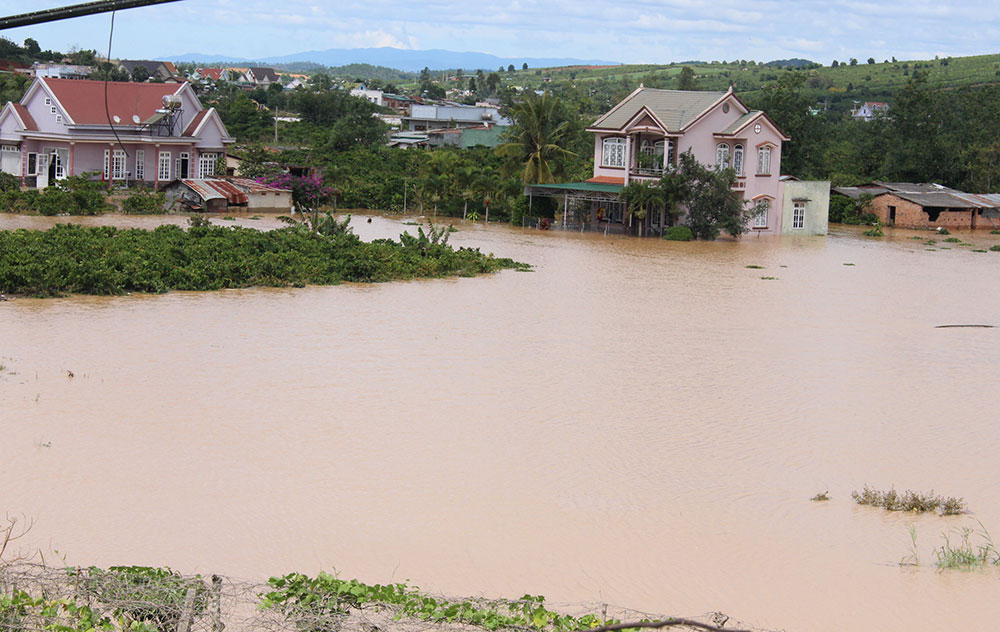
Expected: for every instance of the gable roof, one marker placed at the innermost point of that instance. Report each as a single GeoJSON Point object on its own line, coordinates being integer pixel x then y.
{"type": "Point", "coordinates": [675, 108]}
{"type": "Point", "coordinates": [131, 64]}
{"type": "Point", "coordinates": [27, 120]}
{"type": "Point", "coordinates": [260, 74]}
{"type": "Point", "coordinates": [741, 123]}
{"type": "Point", "coordinates": [211, 73]}
{"type": "Point", "coordinates": [195, 123]}
{"type": "Point", "coordinates": [83, 99]}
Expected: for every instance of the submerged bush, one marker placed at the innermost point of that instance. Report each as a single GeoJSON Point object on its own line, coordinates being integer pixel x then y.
{"type": "Point", "coordinates": [107, 260]}
{"type": "Point", "coordinates": [892, 500]}
{"type": "Point", "coordinates": [678, 233]}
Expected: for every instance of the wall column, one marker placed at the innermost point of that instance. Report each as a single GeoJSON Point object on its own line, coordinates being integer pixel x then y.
{"type": "Point", "coordinates": [628, 157]}
{"type": "Point", "coordinates": [72, 147]}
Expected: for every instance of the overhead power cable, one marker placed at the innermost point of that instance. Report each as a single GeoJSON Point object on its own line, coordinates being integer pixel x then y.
{"type": "Point", "coordinates": [74, 11]}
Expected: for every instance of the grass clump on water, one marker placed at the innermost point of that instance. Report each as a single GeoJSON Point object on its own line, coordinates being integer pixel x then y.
{"type": "Point", "coordinates": [972, 549]}
{"type": "Point", "coordinates": [820, 497]}
{"type": "Point", "coordinates": [892, 500]}
{"type": "Point", "coordinates": [108, 260]}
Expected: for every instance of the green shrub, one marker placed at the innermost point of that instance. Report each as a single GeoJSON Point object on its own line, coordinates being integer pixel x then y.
{"type": "Point", "coordinates": [90, 195]}
{"type": "Point", "coordinates": [840, 207]}
{"type": "Point", "coordinates": [678, 233]}
{"type": "Point", "coordinates": [995, 247]}
{"type": "Point", "coordinates": [892, 500]}
{"type": "Point", "coordinates": [943, 231]}
{"type": "Point", "coordinates": [57, 201]}
{"type": "Point", "coordinates": [9, 182]}
{"type": "Point", "coordinates": [144, 202]}
{"type": "Point", "coordinates": [105, 260]}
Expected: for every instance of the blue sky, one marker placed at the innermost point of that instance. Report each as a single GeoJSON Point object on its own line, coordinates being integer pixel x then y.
{"type": "Point", "coordinates": [631, 32]}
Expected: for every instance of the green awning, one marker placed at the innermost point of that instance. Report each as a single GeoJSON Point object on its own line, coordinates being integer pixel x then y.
{"type": "Point", "coordinates": [592, 187]}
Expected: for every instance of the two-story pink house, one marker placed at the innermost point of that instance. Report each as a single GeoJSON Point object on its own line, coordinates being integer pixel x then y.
{"type": "Point", "coordinates": [147, 132]}
{"type": "Point", "coordinates": [646, 133]}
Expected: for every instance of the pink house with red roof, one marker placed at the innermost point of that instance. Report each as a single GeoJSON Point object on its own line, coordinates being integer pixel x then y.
{"type": "Point", "coordinates": [141, 133]}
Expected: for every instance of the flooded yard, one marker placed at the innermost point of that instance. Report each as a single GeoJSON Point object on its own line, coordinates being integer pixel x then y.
{"type": "Point", "coordinates": [636, 421]}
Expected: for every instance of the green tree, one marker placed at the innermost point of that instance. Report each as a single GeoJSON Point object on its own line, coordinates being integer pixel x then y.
{"type": "Point", "coordinates": [711, 205]}
{"type": "Point", "coordinates": [538, 141]}
{"type": "Point", "coordinates": [785, 104]}
{"type": "Point", "coordinates": [140, 74]}
{"type": "Point", "coordinates": [686, 80]}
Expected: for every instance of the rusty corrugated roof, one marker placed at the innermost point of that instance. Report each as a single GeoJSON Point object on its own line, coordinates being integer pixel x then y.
{"type": "Point", "coordinates": [216, 189]}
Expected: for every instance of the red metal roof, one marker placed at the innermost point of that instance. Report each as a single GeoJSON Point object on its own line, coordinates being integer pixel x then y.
{"type": "Point", "coordinates": [214, 189]}
{"type": "Point", "coordinates": [83, 99]}
{"type": "Point", "coordinates": [193, 125]}
{"type": "Point", "coordinates": [252, 186]}
{"type": "Point", "coordinates": [26, 118]}
{"type": "Point", "coordinates": [212, 73]}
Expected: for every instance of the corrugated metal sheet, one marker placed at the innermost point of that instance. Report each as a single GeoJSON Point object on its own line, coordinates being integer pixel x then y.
{"type": "Point", "coordinates": [252, 186]}
{"type": "Point", "coordinates": [216, 189]}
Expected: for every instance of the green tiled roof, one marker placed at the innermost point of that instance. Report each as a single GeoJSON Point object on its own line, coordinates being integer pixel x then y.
{"type": "Point", "coordinates": [740, 122]}
{"type": "Point", "coordinates": [675, 108]}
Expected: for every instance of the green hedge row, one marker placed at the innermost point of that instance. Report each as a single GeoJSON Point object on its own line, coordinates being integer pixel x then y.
{"type": "Point", "coordinates": [107, 260]}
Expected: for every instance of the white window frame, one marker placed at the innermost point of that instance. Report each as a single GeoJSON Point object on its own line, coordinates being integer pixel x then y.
{"type": "Point", "coordinates": [52, 109]}
{"type": "Point", "coordinates": [738, 155]}
{"type": "Point", "coordinates": [798, 215]}
{"type": "Point", "coordinates": [10, 148]}
{"type": "Point", "coordinates": [106, 173]}
{"type": "Point", "coordinates": [58, 118]}
{"type": "Point", "coordinates": [163, 166]}
{"type": "Point", "coordinates": [206, 165]}
{"type": "Point", "coordinates": [762, 205]}
{"type": "Point", "coordinates": [31, 167]}
{"type": "Point", "coordinates": [60, 157]}
{"type": "Point", "coordinates": [764, 160]}
{"type": "Point", "coordinates": [118, 165]}
{"type": "Point", "coordinates": [613, 152]}
{"type": "Point", "coordinates": [48, 100]}
{"type": "Point", "coordinates": [140, 164]}
{"type": "Point", "coordinates": [722, 156]}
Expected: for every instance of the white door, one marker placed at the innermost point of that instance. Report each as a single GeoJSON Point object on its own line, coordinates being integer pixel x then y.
{"type": "Point", "coordinates": [42, 180]}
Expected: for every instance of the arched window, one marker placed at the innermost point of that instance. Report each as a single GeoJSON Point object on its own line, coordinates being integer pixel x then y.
{"type": "Point", "coordinates": [614, 152]}
{"type": "Point", "coordinates": [722, 156]}
{"type": "Point", "coordinates": [764, 159]}
{"type": "Point", "coordinates": [738, 159]}
{"type": "Point", "coordinates": [655, 151]}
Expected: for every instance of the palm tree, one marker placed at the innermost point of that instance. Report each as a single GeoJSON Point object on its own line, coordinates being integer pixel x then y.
{"type": "Point", "coordinates": [539, 138]}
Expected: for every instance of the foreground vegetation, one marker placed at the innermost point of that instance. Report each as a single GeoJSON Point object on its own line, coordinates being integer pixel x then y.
{"type": "Point", "coordinates": [145, 599]}
{"type": "Point", "coordinates": [108, 260]}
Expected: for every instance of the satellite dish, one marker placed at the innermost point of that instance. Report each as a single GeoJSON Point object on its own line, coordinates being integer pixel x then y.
{"type": "Point", "coordinates": [116, 119]}
{"type": "Point", "coordinates": [135, 119]}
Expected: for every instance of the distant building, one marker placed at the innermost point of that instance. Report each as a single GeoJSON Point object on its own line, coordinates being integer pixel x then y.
{"type": "Point", "coordinates": [157, 70]}
{"type": "Point", "coordinates": [372, 96]}
{"type": "Point", "coordinates": [260, 77]}
{"type": "Point", "coordinates": [61, 71]}
{"type": "Point", "coordinates": [928, 205]}
{"type": "Point", "coordinates": [428, 117]}
{"type": "Point", "coordinates": [211, 74]}
{"type": "Point", "coordinates": [869, 110]}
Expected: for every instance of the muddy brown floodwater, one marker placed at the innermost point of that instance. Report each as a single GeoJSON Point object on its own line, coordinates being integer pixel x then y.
{"type": "Point", "coordinates": [636, 422]}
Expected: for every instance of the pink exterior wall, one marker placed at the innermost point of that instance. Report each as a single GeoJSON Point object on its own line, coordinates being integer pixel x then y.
{"type": "Point", "coordinates": [42, 113]}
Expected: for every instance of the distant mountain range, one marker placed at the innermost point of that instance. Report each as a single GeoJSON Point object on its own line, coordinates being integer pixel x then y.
{"type": "Point", "coordinates": [401, 59]}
